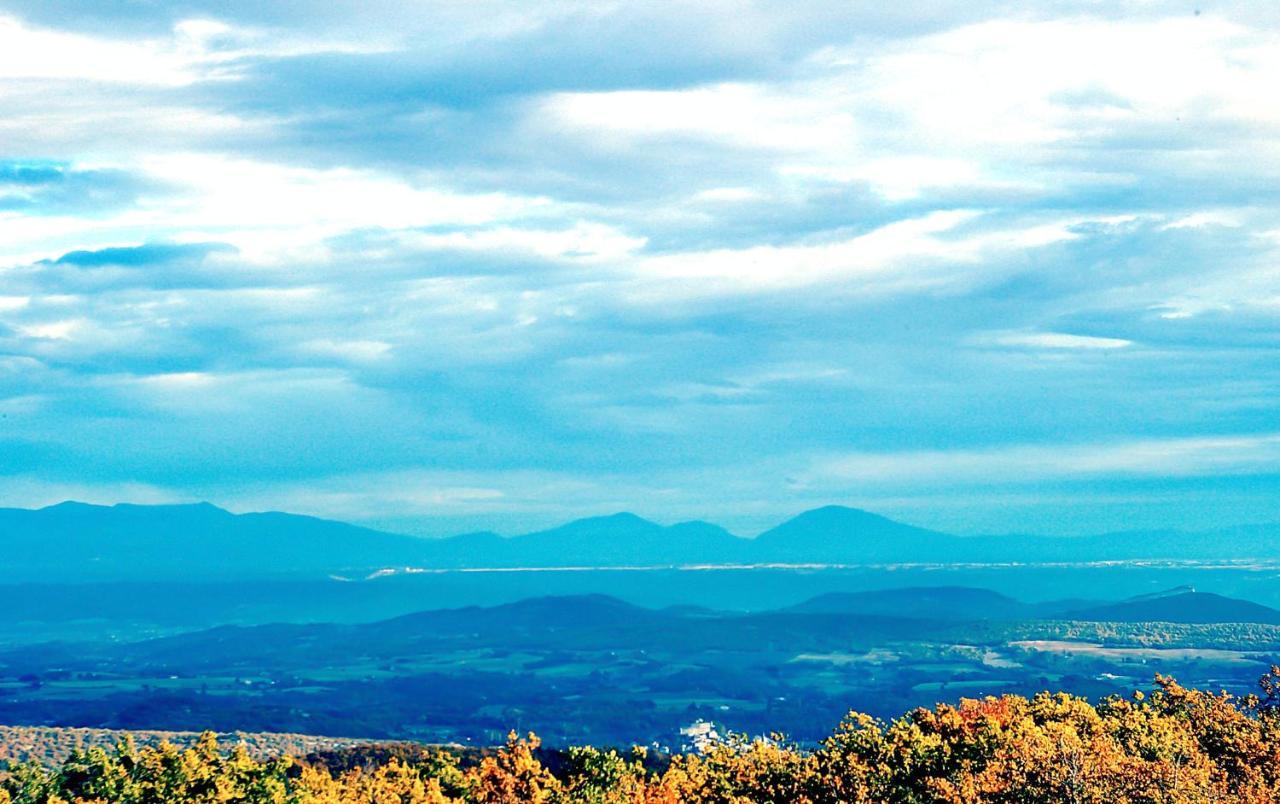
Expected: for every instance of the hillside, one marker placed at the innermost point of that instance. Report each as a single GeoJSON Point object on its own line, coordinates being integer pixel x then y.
{"type": "Point", "coordinates": [602, 623]}
{"type": "Point", "coordinates": [1180, 606]}
{"type": "Point", "coordinates": [936, 602]}
{"type": "Point", "coordinates": [593, 668]}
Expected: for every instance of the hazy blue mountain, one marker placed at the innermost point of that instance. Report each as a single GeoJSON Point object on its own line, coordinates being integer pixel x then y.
{"type": "Point", "coordinates": [621, 540]}
{"type": "Point", "coordinates": [78, 542]}
{"type": "Point", "coordinates": [925, 602]}
{"type": "Point", "coordinates": [578, 622]}
{"type": "Point", "coordinates": [1181, 606]}
{"type": "Point", "coordinates": [601, 622]}
{"type": "Point", "coordinates": [837, 534]}
{"type": "Point", "coordinates": [75, 541]}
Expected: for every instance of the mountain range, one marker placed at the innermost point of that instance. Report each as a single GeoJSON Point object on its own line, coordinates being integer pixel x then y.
{"type": "Point", "coordinates": [563, 664]}
{"type": "Point", "coordinates": [80, 542]}
{"type": "Point", "coordinates": [602, 622]}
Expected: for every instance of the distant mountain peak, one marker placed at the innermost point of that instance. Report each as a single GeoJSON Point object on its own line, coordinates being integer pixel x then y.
{"type": "Point", "coordinates": [621, 518]}
{"type": "Point", "coordinates": [594, 599]}
{"type": "Point", "coordinates": [203, 506]}
{"type": "Point", "coordinates": [838, 509]}
{"type": "Point", "coordinates": [841, 516]}
{"type": "Point", "coordinates": [837, 533]}
{"type": "Point", "coordinates": [185, 541]}
{"type": "Point", "coordinates": [829, 513]}
{"type": "Point", "coordinates": [697, 528]}
{"type": "Point", "coordinates": [1185, 589]}
{"type": "Point", "coordinates": [69, 505]}
{"type": "Point", "coordinates": [624, 516]}
{"type": "Point", "coordinates": [77, 505]}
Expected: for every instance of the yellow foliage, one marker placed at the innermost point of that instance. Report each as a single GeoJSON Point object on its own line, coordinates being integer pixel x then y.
{"type": "Point", "coordinates": [1175, 746]}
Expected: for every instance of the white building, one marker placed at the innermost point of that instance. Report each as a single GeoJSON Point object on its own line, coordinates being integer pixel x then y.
{"type": "Point", "coordinates": [701, 736]}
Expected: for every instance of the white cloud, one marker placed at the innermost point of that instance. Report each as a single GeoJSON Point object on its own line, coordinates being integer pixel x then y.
{"type": "Point", "coordinates": [583, 240]}
{"type": "Point", "coordinates": [273, 212]}
{"type": "Point", "coordinates": [746, 115]}
{"type": "Point", "coordinates": [776, 266]}
{"type": "Point", "coordinates": [52, 330]}
{"type": "Point", "coordinates": [1203, 218]}
{"type": "Point", "coordinates": [1004, 83]}
{"type": "Point", "coordinates": [789, 373]}
{"type": "Point", "coordinates": [33, 53]}
{"type": "Point", "coordinates": [31, 491]}
{"type": "Point", "coordinates": [775, 242]}
{"type": "Point", "coordinates": [1030, 463]}
{"type": "Point", "coordinates": [199, 394]}
{"type": "Point", "coordinates": [416, 492]}
{"type": "Point", "coordinates": [994, 105]}
{"type": "Point", "coordinates": [1058, 340]}
{"type": "Point", "coordinates": [355, 351]}
{"type": "Point", "coordinates": [1244, 287]}
{"type": "Point", "coordinates": [728, 195]}
{"type": "Point", "coordinates": [939, 249]}
{"type": "Point", "coordinates": [900, 178]}
{"type": "Point", "coordinates": [196, 50]}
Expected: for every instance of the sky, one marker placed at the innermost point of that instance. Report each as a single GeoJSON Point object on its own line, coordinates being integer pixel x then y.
{"type": "Point", "coordinates": [985, 267]}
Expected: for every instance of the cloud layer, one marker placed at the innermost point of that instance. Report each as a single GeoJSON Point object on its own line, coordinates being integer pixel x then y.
{"type": "Point", "coordinates": [496, 265]}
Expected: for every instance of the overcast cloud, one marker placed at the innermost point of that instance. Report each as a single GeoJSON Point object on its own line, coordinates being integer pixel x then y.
{"type": "Point", "coordinates": [454, 266]}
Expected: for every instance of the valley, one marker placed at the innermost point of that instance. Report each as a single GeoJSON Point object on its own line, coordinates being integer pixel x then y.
{"type": "Point", "coordinates": [185, 618]}
{"type": "Point", "coordinates": [595, 669]}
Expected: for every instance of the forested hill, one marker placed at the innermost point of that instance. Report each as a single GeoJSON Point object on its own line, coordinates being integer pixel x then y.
{"type": "Point", "coordinates": [1177, 745]}
{"type": "Point", "coordinates": [77, 542]}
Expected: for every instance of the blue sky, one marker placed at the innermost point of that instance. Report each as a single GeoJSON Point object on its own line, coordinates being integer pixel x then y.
{"type": "Point", "coordinates": [985, 267]}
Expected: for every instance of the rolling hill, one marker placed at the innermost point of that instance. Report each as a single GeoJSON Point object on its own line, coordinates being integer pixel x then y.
{"type": "Point", "coordinates": [596, 665]}
{"type": "Point", "coordinates": [1180, 605]}
{"type": "Point", "coordinates": [935, 602]}
{"type": "Point", "coordinates": [601, 622]}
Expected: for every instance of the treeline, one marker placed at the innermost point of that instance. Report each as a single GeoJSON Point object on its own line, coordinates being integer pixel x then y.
{"type": "Point", "coordinates": [1175, 745]}
{"type": "Point", "coordinates": [52, 745]}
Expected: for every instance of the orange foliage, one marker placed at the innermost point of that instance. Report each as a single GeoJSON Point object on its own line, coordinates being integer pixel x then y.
{"type": "Point", "coordinates": [1174, 746]}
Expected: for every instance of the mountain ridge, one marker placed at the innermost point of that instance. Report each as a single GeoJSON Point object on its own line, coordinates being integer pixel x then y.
{"type": "Point", "coordinates": [609, 621]}
{"type": "Point", "coordinates": [1181, 605]}
{"type": "Point", "coordinates": [73, 541]}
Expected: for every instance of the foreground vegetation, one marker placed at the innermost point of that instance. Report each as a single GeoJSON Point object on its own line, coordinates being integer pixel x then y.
{"type": "Point", "coordinates": [1175, 745]}
{"type": "Point", "coordinates": [52, 745]}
